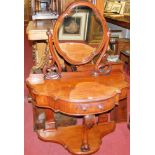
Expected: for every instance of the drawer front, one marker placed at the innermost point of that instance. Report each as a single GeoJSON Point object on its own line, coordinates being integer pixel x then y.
{"type": "Point", "coordinates": [87, 108]}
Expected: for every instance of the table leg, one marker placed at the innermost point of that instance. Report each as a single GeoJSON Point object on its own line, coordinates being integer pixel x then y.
{"type": "Point", "coordinates": [88, 122]}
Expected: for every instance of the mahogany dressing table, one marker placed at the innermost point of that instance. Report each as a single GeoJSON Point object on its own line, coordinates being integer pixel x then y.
{"type": "Point", "coordinates": [85, 92]}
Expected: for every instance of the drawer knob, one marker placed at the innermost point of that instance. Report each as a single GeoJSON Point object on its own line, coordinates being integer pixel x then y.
{"type": "Point", "coordinates": [117, 103]}
{"type": "Point", "coordinates": [100, 107]}
{"type": "Point", "coordinates": [84, 108]}
{"type": "Point", "coordinates": [118, 91]}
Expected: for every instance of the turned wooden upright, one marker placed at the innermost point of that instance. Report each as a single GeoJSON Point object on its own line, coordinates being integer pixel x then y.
{"type": "Point", "coordinates": [92, 88]}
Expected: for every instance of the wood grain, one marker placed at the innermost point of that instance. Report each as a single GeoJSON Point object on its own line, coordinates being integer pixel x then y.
{"type": "Point", "coordinates": [36, 30]}
{"type": "Point", "coordinates": [83, 93]}
{"type": "Point", "coordinates": [72, 141]}
{"type": "Point", "coordinates": [82, 53]}
{"type": "Point", "coordinates": [59, 22]}
{"type": "Point", "coordinates": [56, 94]}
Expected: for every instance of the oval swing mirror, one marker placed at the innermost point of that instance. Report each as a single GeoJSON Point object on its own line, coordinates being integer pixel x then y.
{"type": "Point", "coordinates": [80, 33]}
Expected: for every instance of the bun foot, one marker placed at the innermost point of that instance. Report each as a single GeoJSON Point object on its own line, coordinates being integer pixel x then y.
{"type": "Point", "coordinates": [85, 148]}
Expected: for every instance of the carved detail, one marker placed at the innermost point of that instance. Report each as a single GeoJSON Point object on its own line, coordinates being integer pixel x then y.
{"type": "Point", "coordinates": [102, 56]}
{"type": "Point", "coordinates": [102, 65]}
{"type": "Point", "coordinates": [105, 68]}
{"type": "Point", "coordinates": [59, 22]}
{"type": "Point", "coordinates": [55, 65]}
{"type": "Point", "coordinates": [88, 122]}
{"type": "Point", "coordinates": [56, 95]}
{"type": "Point", "coordinates": [40, 55]}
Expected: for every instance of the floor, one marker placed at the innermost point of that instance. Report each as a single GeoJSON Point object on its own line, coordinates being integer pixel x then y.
{"type": "Point", "coordinates": [115, 143]}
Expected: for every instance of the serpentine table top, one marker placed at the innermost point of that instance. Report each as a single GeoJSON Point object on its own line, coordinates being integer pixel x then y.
{"type": "Point", "coordinates": [80, 94]}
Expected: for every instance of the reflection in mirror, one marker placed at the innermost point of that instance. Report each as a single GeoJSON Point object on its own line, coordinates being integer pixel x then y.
{"type": "Point", "coordinates": [80, 34]}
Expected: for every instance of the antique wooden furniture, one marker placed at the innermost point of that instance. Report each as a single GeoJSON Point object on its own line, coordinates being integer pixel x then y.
{"type": "Point", "coordinates": [125, 56]}
{"type": "Point", "coordinates": [43, 14]}
{"type": "Point", "coordinates": [27, 12]}
{"type": "Point", "coordinates": [122, 44]}
{"type": "Point", "coordinates": [122, 21]}
{"type": "Point", "coordinates": [85, 92]}
{"type": "Point", "coordinates": [119, 16]}
{"type": "Point", "coordinates": [43, 20]}
{"type": "Point", "coordinates": [36, 32]}
{"type": "Point", "coordinates": [123, 49]}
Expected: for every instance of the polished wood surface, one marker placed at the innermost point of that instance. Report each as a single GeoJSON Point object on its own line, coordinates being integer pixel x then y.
{"type": "Point", "coordinates": [58, 24]}
{"type": "Point", "coordinates": [27, 10]}
{"type": "Point", "coordinates": [36, 30]}
{"type": "Point", "coordinates": [84, 51]}
{"type": "Point", "coordinates": [55, 94]}
{"type": "Point", "coordinates": [100, 6]}
{"type": "Point", "coordinates": [119, 113]}
{"type": "Point", "coordinates": [70, 137]}
{"type": "Point", "coordinates": [122, 44]}
{"type": "Point", "coordinates": [120, 20]}
{"type": "Point", "coordinates": [91, 67]}
{"type": "Point", "coordinates": [85, 94]}
{"type": "Point", "coordinates": [37, 33]}
{"type": "Point", "coordinates": [62, 93]}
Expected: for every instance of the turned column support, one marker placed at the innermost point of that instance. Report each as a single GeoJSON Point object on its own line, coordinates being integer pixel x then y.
{"type": "Point", "coordinates": [88, 122]}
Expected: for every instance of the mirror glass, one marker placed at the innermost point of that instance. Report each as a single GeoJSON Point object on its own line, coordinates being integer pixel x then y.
{"type": "Point", "coordinates": [80, 34]}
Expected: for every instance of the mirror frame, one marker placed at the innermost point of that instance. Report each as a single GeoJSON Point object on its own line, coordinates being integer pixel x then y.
{"type": "Point", "coordinates": [60, 21]}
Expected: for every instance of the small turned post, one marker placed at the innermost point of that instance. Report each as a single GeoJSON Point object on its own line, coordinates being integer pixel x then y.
{"type": "Point", "coordinates": [54, 57]}
{"type": "Point", "coordinates": [88, 122]}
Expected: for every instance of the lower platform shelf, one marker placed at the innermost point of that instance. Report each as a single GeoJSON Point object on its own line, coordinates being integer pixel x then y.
{"type": "Point", "coordinates": [71, 136]}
